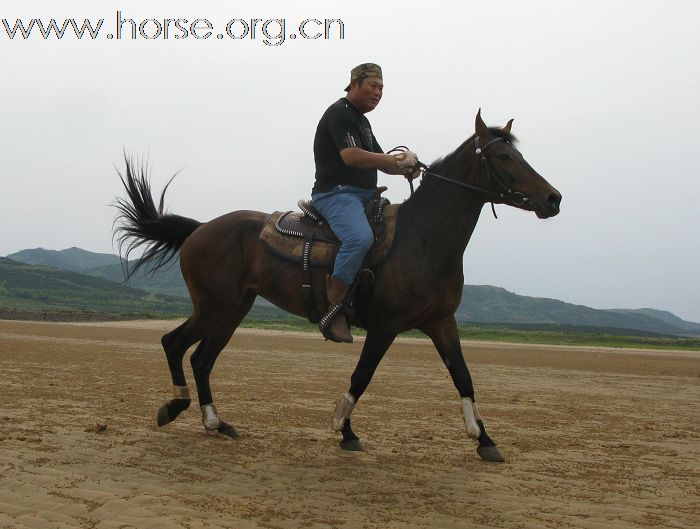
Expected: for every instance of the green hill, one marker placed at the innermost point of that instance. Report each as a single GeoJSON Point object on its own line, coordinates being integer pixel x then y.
{"type": "Point", "coordinates": [480, 304]}
{"type": "Point", "coordinates": [167, 281]}
{"type": "Point", "coordinates": [106, 266]}
{"type": "Point", "coordinates": [488, 304]}
{"type": "Point", "coordinates": [40, 288]}
{"type": "Point", "coordinates": [72, 259]}
{"type": "Point", "coordinates": [666, 316]}
{"type": "Point", "coordinates": [34, 291]}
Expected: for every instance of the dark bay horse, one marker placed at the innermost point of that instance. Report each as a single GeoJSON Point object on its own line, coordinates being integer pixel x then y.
{"type": "Point", "coordinates": [417, 286]}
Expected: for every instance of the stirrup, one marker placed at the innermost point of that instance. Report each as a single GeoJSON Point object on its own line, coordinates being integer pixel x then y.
{"type": "Point", "coordinates": [325, 321]}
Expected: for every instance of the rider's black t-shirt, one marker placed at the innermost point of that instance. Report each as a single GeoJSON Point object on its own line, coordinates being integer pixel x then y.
{"type": "Point", "coordinates": [342, 126]}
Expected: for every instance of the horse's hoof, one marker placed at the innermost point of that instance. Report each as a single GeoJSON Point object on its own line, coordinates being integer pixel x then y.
{"type": "Point", "coordinates": [163, 416]}
{"type": "Point", "coordinates": [490, 453]}
{"type": "Point", "coordinates": [228, 430]}
{"type": "Point", "coordinates": [169, 411]}
{"type": "Point", "coordinates": [352, 445]}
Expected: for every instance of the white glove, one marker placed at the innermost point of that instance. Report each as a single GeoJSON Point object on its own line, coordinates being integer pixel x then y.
{"type": "Point", "coordinates": [406, 162]}
{"type": "Point", "coordinates": [414, 174]}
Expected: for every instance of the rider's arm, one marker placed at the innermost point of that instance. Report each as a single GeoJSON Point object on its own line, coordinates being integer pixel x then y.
{"type": "Point", "coordinates": [356, 157]}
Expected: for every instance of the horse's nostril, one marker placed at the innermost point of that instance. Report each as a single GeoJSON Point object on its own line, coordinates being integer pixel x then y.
{"type": "Point", "coordinates": [554, 199]}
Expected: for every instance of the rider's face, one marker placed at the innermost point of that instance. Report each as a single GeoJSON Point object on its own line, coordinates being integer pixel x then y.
{"type": "Point", "coordinates": [366, 96]}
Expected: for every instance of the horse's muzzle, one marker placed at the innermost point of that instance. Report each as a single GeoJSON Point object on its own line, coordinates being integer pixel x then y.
{"type": "Point", "coordinates": [550, 207]}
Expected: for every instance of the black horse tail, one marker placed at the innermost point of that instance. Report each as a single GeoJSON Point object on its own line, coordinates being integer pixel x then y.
{"type": "Point", "coordinates": [140, 223]}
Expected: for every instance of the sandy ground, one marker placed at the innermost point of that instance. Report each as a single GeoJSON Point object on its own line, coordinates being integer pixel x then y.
{"type": "Point", "coordinates": [595, 438]}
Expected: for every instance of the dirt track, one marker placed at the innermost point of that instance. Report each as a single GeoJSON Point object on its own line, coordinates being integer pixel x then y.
{"type": "Point", "coordinates": [595, 438]}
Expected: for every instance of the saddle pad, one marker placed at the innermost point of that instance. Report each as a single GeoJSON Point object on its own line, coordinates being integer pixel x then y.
{"type": "Point", "coordinates": [291, 247]}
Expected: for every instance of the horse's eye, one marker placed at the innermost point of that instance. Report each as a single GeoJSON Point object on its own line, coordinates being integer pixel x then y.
{"type": "Point", "coordinates": [503, 157]}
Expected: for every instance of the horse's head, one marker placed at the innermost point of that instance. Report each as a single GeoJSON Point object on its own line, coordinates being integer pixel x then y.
{"type": "Point", "coordinates": [506, 173]}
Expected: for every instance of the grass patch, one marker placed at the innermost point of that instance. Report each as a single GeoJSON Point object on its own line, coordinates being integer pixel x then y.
{"type": "Point", "coordinates": [502, 333]}
{"type": "Point", "coordinates": [607, 338]}
{"type": "Point", "coordinates": [546, 335]}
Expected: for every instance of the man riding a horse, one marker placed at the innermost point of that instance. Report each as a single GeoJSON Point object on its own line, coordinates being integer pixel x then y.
{"type": "Point", "coordinates": [347, 156]}
{"type": "Point", "coordinates": [416, 284]}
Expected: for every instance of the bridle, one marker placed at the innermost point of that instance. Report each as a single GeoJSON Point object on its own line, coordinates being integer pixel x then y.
{"type": "Point", "coordinates": [515, 198]}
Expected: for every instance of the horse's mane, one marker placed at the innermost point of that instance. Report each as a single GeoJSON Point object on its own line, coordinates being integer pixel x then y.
{"type": "Point", "coordinates": [443, 162]}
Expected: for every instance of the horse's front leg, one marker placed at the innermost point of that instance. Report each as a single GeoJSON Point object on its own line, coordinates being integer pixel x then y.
{"type": "Point", "coordinates": [376, 344]}
{"type": "Point", "coordinates": [445, 336]}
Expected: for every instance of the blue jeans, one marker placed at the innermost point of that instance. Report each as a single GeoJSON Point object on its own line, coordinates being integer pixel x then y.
{"type": "Point", "coordinates": [344, 209]}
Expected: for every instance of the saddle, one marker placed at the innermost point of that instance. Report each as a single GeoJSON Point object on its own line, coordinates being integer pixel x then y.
{"type": "Point", "coordinates": [305, 238]}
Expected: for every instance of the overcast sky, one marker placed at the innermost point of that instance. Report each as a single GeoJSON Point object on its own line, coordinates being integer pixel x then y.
{"type": "Point", "coordinates": [604, 96]}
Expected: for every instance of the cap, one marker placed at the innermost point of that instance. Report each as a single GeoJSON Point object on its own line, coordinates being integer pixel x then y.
{"type": "Point", "coordinates": [368, 69]}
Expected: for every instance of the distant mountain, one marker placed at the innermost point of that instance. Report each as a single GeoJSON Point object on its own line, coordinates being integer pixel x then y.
{"type": "Point", "coordinates": [107, 266]}
{"type": "Point", "coordinates": [167, 281]}
{"type": "Point", "coordinates": [72, 259]}
{"type": "Point", "coordinates": [480, 304]}
{"type": "Point", "coordinates": [666, 316]}
{"type": "Point", "coordinates": [30, 291]}
{"type": "Point", "coordinates": [35, 287]}
{"type": "Point", "coordinates": [496, 305]}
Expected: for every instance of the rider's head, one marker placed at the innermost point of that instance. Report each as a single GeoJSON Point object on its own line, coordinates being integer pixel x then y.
{"type": "Point", "coordinates": [365, 88]}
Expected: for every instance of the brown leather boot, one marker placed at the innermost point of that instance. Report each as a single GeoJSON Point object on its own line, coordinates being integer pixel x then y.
{"type": "Point", "coordinates": [336, 329]}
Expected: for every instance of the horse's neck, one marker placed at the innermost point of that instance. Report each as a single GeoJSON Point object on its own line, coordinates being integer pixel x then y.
{"type": "Point", "coordinates": [443, 215]}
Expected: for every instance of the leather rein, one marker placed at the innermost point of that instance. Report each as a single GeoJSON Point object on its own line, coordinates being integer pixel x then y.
{"type": "Point", "coordinates": [514, 197]}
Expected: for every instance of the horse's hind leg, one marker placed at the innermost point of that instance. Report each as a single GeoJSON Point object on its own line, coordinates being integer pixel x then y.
{"type": "Point", "coordinates": [175, 344]}
{"type": "Point", "coordinates": [203, 360]}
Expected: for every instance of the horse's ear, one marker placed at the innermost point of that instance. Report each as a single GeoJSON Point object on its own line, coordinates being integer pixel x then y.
{"type": "Point", "coordinates": [508, 126]}
{"type": "Point", "coordinates": [481, 129]}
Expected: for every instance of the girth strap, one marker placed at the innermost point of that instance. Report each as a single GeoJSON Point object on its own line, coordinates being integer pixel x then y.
{"type": "Point", "coordinates": [306, 288]}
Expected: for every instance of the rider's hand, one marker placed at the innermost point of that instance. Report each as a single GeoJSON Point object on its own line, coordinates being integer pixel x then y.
{"type": "Point", "coordinates": [407, 162]}
{"type": "Point", "coordinates": [414, 174]}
